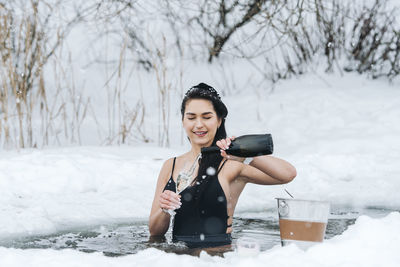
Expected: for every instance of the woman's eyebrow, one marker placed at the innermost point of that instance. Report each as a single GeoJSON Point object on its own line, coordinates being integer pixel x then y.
{"type": "Point", "coordinates": [193, 114]}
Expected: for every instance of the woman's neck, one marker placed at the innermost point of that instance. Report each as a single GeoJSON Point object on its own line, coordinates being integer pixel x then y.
{"type": "Point", "coordinates": [195, 151]}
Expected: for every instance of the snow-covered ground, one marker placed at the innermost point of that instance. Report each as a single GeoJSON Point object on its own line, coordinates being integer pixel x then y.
{"type": "Point", "coordinates": [340, 132]}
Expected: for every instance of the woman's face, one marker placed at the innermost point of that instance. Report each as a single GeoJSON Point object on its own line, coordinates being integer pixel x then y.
{"type": "Point", "coordinates": [200, 122]}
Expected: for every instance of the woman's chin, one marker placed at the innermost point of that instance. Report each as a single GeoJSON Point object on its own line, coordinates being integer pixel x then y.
{"type": "Point", "coordinates": [201, 141]}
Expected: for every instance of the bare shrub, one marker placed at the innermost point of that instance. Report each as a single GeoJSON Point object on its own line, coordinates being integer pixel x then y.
{"type": "Point", "coordinates": [374, 42]}
{"type": "Point", "coordinates": [24, 51]}
{"type": "Point", "coordinates": [30, 110]}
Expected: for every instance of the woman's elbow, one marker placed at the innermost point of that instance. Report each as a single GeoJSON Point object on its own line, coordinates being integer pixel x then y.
{"type": "Point", "coordinates": [290, 174]}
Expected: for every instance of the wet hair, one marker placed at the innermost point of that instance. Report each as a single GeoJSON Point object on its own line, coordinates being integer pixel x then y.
{"type": "Point", "coordinates": [212, 161]}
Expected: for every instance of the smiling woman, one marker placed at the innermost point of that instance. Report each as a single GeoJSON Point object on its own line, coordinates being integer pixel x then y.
{"type": "Point", "coordinates": [204, 210]}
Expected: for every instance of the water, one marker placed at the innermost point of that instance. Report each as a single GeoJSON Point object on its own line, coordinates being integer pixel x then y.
{"type": "Point", "coordinates": [123, 239]}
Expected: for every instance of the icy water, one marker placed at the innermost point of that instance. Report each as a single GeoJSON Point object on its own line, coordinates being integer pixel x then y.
{"type": "Point", "coordinates": [122, 239]}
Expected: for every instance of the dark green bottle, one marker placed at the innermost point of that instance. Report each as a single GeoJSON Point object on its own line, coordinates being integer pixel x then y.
{"type": "Point", "coordinates": [251, 145]}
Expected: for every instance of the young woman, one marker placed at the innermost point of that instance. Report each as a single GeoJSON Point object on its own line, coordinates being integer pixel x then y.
{"type": "Point", "coordinates": [204, 210]}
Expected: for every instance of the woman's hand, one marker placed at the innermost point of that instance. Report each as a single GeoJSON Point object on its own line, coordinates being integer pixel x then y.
{"type": "Point", "coordinates": [224, 144]}
{"type": "Point", "coordinates": [170, 200]}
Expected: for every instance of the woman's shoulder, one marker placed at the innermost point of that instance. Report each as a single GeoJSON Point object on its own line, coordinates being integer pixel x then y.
{"type": "Point", "coordinates": [168, 164]}
{"type": "Point", "coordinates": [166, 170]}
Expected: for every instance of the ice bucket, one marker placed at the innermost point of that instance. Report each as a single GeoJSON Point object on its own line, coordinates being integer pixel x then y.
{"type": "Point", "coordinates": [302, 222]}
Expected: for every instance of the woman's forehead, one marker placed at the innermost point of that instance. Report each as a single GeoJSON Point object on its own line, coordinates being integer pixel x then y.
{"type": "Point", "coordinates": [199, 106]}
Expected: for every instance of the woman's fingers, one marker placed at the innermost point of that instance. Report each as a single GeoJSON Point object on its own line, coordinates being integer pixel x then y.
{"type": "Point", "coordinates": [224, 143]}
{"type": "Point", "coordinates": [168, 205]}
{"type": "Point", "coordinates": [220, 144]}
{"type": "Point", "coordinates": [170, 200]}
{"type": "Point", "coordinates": [223, 154]}
{"type": "Point", "coordinates": [172, 194]}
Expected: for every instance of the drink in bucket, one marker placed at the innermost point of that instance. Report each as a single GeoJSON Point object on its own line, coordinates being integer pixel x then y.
{"type": "Point", "coordinates": [302, 222]}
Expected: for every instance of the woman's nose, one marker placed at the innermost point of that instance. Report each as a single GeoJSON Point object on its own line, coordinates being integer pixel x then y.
{"type": "Point", "coordinates": [199, 123]}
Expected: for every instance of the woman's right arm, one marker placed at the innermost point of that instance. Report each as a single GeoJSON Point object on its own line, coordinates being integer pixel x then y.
{"type": "Point", "coordinates": [159, 220]}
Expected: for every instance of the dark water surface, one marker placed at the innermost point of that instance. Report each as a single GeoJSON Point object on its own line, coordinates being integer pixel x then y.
{"type": "Point", "coordinates": [122, 239]}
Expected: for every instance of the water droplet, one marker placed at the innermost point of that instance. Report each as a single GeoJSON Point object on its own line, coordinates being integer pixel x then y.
{"type": "Point", "coordinates": [187, 196]}
{"type": "Point", "coordinates": [220, 199]}
{"type": "Point", "coordinates": [197, 183]}
{"type": "Point", "coordinates": [202, 237]}
{"type": "Point", "coordinates": [210, 171]}
{"type": "Point", "coordinates": [204, 176]}
{"type": "Point", "coordinates": [291, 233]}
{"type": "Point", "coordinates": [202, 211]}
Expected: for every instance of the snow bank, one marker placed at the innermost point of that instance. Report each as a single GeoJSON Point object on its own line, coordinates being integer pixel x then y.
{"type": "Point", "coordinates": [370, 242]}
{"type": "Point", "coordinates": [55, 189]}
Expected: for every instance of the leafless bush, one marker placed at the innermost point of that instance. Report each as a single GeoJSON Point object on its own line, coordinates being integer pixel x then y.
{"type": "Point", "coordinates": [30, 110]}
{"type": "Point", "coordinates": [124, 121]}
{"type": "Point", "coordinates": [291, 34]}
{"type": "Point", "coordinates": [331, 19]}
{"type": "Point", "coordinates": [374, 42]}
{"type": "Point", "coordinates": [24, 50]}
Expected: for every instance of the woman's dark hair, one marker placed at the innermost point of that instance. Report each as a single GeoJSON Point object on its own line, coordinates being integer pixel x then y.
{"type": "Point", "coordinates": [209, 162]}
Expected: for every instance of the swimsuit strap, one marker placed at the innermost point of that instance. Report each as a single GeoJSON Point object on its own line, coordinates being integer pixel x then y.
{"type": "Point", "coordinates": [173, 167]}
{"type": "Point", "coordinates": [222, 166]}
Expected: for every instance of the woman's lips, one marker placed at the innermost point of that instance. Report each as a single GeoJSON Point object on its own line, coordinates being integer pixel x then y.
{"type": "Point", "coordinates": [200, 133]}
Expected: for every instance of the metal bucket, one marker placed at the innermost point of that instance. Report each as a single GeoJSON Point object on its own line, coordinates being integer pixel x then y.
{"type": "Point", "coordinates": [302, 222]}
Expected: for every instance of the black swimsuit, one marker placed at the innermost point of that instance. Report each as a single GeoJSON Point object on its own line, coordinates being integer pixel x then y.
{"type": "Point", "coordinates": [201, 221]}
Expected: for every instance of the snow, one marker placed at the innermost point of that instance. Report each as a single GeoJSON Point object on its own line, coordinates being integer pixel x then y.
{"type": "Point", "coordinates": [370, 242]}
